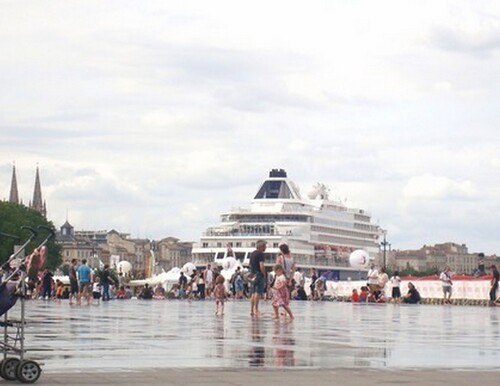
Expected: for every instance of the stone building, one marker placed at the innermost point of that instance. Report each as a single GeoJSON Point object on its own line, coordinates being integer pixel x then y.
{"type": "Point", "coordinates": [103, 247]}
{"type": "Point", "coordinates": [74, 245]}
{"type": "Point", "coordinates": [171, 252]}
{"type": "Point", "coordinates": [436, 257]}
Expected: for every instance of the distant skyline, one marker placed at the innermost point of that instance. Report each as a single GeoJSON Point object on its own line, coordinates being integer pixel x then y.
{"type": "Point", "coordinates": [155, 117]}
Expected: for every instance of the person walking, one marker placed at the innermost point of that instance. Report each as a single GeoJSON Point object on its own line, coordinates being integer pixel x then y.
{"type": "Point", "coordinates": [219, 295]}
{"type": "Point", "coordinates": [285, 259]}
{"type": "Point", "coordinates": [106, 281]}
{"type": "Point", "coordinates": [208, 278]}
{"type": "Point", "coordinates": [84, 273]}
{"type": "Point", "coordinates": [258, 270]}
{"type": "Point", "coordinates": [73, 282]}
{"type": "Point", "coordinates": [281, 294]}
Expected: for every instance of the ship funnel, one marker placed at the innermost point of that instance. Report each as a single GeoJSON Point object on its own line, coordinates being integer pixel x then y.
{"type": "Point", "coordinates": [280, 173]}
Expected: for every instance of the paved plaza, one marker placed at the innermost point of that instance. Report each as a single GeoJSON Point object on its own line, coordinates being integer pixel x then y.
{"type": "Point", "coordinates": [166, 342]}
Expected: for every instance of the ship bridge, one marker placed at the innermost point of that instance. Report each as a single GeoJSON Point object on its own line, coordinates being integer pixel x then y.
{"type": "Point", "coordinates": [278, 187]}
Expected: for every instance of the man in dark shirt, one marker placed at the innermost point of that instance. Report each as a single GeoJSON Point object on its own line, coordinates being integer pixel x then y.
{"type": "Point", "coordinates": [258, 269]}
{"type": "Point", "coordinates": [73, 282]}
{"type": "Point", "coordinates": [494, 284]}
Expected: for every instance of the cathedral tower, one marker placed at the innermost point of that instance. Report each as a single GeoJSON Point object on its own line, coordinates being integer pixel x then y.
{"type": "Point", "coordinates": [37, 203]}
{"type": "Point", "coordinates": [14, 194]}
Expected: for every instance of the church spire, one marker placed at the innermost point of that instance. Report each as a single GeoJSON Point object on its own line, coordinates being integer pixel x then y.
{"type": "Point", "coordinates": [14, 194]}
{"type": "Point", "coordinates": [37, 203]}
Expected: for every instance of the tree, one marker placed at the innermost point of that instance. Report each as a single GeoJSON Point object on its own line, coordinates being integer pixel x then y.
{"type": "Point", "coordinates": [12, 218]}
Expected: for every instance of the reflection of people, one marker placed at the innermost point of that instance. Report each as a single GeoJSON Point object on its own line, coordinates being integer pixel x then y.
{"type": "Point", "coordinates": [259, 283]}
{"type": "Point", "coordinates": [257, 352]}
{"type": "Point", "coordinates": [494, 284]}
{"type": "Point", "coordinates": [447, 284]}
{"type": "Point", "coordinates": [413, 296]}
{"type": "Point", "coordinates": [284, 353]}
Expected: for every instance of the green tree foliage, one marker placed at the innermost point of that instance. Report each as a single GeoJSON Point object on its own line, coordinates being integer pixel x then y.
{"type": "Point", "coordinates": [12, 218]}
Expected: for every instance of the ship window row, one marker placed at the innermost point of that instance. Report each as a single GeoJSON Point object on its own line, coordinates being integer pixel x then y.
{"type": "Point", "coordinates": [244, 230]}
{"type": "Point", "coordinates": [362, 218]}
{"type": "Point", "coordinates": [342, 232]}
{"type": "Point", "coordinates": [269, 218]}
{"type": "Point", "coordinates": [344, 240]}
{"type": "Point", "coordinates": [325, 221]}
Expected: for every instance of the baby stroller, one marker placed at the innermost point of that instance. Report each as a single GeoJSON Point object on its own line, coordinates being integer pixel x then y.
{"type": "Point", "coordinates": [14, 366]}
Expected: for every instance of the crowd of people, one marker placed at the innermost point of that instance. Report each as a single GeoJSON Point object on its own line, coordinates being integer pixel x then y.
{"type": "Point", "coordinates": [378, 286]}
{"type": "Point", "coordinates": [284, 283]}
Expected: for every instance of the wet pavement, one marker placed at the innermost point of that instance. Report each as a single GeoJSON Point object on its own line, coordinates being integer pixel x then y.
{"type": "Point", "coordinates": [146, 335]}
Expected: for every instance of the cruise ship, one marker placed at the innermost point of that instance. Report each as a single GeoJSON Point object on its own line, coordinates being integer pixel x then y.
{"type": "Point", "coordinates": [320, 232]}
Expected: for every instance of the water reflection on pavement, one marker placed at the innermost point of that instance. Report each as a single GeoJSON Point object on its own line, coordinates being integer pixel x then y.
{"type": "Point", "coordinates": [178, 334]}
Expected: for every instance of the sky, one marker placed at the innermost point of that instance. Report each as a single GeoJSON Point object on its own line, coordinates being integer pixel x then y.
{"type": "Point", "coordinates": [155, 117]}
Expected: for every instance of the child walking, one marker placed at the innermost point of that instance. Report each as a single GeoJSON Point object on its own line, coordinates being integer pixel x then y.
{"type": "Point", "coordinates": [220, 295]}
{"type": "Point", "coordinates": [281, 295]}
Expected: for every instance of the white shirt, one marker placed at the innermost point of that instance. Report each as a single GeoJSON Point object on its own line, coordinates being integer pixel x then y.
{"type": "Point", "coordinates": [297, 276]}
{"type": "Point", "coordinates": [373, 276]}
{"type": "Point", "coordinates": [209, 277]}
{"type": "Point", "coordinates": [383, 278]}
{"type": "Point", "coordinates": [445, 279]}
{"type": "Point", "coordinates": [395, 281]}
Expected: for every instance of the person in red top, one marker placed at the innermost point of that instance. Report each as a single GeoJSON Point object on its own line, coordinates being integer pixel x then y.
{"type": "Point", "coordinates": [355, 296]}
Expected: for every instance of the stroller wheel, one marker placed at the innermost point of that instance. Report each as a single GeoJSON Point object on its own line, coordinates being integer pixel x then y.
{"type": "Point", "coordinates": [28, 372]}
{"type": "Point", "coordinates": [8, 368]}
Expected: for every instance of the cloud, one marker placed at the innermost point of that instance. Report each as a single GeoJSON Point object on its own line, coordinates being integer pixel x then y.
{"type": "Point", "coordinates": [154, 119]}
{"type": "Point", "coordinates": [470, 35]}
{"type": "Point", "coordinates": [431, 187]}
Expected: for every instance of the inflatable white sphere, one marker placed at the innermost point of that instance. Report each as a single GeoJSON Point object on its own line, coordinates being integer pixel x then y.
{"type": "Point", "coordinates": [124, 267]}
{"type": "Point", "coordinates": [359, 259]}
{"type": "Point", "coordinates": [188, 269]}
{"type": "Point", "coordinates": [229, 263]}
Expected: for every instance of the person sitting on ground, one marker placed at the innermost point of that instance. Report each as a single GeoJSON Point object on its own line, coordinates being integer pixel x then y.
{"type": "Point", "coordinates": [159, 293]}
{"type": "Point", "coordinates": [363, 295]}
{"type": "Point", "coordinates": [146, 293]}
{"type": "Point", "coordinates": [355, 296]}
{"type": "Point", "coordinates": [301, 293]}
{"type": "Point", "coordinates": [413, 296]}
{"type": "Point", "coordinates": [128, 292]}
{"type": "Point", "coordinates": [120, 294]}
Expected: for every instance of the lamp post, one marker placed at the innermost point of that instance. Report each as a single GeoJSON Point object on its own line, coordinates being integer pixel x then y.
{"type": "Point", "coordinates": [384, 244]}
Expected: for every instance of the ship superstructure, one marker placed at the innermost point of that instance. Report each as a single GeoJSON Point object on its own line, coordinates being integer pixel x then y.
{"type": "Point", "coordinates": [320, 232]}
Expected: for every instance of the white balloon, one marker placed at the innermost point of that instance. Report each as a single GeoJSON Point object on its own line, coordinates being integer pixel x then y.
{"type": "Point", "coordinates": [359, 259]}
{"type": "Point", "coordinates": [188, 269]}
{"type": "Point", "coordinates": [124, 267]}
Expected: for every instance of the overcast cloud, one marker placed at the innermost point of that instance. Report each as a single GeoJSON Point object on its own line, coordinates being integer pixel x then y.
{"type": "Point", "coordinates": [154, 117]}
